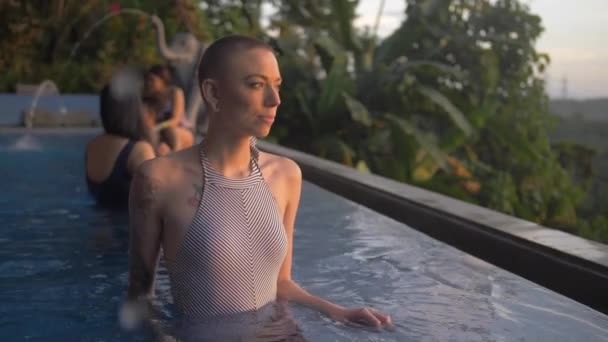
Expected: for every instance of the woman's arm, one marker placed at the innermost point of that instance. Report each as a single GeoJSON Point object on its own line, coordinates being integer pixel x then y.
{"type": "Point", "coordinates": [144, 233]}
{"type": "Point", "coordinates": [177, 112]}
{"type": "Point", "coordinates": [289, 290]}
{"type": "Point", "coordinates": [179, 106]}
{"type": "Point", "coordinates": [286, 287]}
{"type": "Point", "coordinates": [144, 245]}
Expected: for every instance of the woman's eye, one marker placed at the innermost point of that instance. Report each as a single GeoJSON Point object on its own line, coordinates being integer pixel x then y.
{"type": "Point", "coordinates": [257, 85]}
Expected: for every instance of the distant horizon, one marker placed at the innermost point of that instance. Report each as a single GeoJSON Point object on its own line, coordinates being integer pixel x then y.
{"type": "Point", "coordinates": [574, 37]}
{"type": "Point", "coordinates": [578, 99]}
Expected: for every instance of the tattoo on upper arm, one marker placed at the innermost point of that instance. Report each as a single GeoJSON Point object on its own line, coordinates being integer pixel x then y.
{"type": "Point", "coordinates": [143, 193]}
{"type": "Point", "coordinates": [195, 199]}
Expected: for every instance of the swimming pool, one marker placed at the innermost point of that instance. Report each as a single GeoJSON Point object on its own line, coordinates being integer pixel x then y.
{"type": "Point", "coordinates": [63, 265]}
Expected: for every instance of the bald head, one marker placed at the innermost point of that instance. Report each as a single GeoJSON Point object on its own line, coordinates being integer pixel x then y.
{"type": "Point", "coordinates": [217, 56]}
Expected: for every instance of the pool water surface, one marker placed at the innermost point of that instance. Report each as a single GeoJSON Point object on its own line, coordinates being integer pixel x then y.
{"type": "Point", "coordinates": [63, 266]}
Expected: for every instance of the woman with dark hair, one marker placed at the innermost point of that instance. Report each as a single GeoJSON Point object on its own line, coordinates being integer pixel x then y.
{"type": "Point", "coordinates": [112, 157]}
{"type": "Point", "coordinates": [165, 104]}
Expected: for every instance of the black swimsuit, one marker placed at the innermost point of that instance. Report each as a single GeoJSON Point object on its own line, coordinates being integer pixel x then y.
{"type": "Point", "coordinates": [114, 190]}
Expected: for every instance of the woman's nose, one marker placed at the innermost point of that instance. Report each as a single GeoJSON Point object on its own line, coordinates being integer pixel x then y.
{"type": "Point", "coordinates": [273, 98]}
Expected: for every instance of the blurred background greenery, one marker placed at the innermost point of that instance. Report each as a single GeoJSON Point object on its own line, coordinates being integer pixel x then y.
{"type": "Point", "coordinates": [453, 100]}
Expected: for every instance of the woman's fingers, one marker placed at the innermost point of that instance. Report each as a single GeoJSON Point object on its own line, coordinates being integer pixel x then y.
{"type": "Point", "coordinates": [385, 319]}
{"type": "Point", "coordinates": [366, 316]}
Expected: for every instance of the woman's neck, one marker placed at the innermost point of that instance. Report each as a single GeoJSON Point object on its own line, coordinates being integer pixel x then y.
{"type": "Point", "coordinates": [229, 155]}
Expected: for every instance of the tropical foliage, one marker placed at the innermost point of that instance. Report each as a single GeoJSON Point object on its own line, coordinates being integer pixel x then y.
{"type": "Point", "coordinates": [65, 41]}
{"type": "Point", "coordinates": [452, 101]}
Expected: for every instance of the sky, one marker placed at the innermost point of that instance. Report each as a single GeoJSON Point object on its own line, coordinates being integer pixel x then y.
{"type": "Point", "coordinates": [575, 36]}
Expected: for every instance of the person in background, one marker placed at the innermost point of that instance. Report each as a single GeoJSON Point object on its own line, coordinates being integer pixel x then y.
{"type": "Point", "coordinates": [161, 147]}
{"type": "Point", "coordinates": [166, 108]}
{"type": "Point", "coordinates": [112, 157]}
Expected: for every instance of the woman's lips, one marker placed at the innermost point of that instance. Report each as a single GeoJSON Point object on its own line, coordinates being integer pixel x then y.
{"type": "Point", "coordinates": [267, 118]}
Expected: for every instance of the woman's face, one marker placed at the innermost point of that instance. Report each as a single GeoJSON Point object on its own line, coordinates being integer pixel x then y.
{"type": "Point", "coordinates": [155, 84]}
{"type": "Point", "coordinates": [248, 95]}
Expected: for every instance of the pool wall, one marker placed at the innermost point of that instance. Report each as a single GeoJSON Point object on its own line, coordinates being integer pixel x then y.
{"type": "Point", "coordinates": [562, 262]}
{"type": "Point", "coordinates": [84, 107]}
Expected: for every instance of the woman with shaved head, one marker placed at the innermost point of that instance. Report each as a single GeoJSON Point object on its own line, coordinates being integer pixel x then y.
{"type": "Point", "coordinates": [224, 212]}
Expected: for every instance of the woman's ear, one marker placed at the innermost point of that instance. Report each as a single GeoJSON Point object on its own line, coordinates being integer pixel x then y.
{"type": "Point", "coordinates": [210, 92]}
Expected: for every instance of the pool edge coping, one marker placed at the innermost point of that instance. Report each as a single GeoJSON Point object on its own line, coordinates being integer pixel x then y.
{"type": "Point", "coordinates": [565, 263]}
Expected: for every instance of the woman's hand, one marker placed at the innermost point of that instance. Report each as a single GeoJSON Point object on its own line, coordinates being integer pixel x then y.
{"type": "Point", "coordinates": [363, 316]}
{"type": "Point", "coordinates": [133, 313]}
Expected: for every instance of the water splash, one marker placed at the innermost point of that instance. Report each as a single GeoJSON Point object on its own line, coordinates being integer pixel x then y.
{"type": "Point", "coordinates": [122, 85]}
{"type": "Point", "coordinates": [25, 143]}
{"type": "Point", "coordinates": [132, 11]}
{"type": "Point", "coordinates": [125, 82]}
{"type": "Point", "coordinates": [46, 87]}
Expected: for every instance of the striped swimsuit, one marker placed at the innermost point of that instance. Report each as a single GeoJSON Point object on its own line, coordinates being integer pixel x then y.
{"type": "Point", "coordinates": [229, 260]}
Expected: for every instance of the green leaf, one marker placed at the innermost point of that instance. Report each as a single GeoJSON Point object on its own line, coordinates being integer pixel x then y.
{"type": "Point", "coordinates": [329, 44]}
{"type": "Point", "coordinates": [343, 10]}
{"type": "Point", "coordinates": [331, 87]}
{"type": "Point", "coordinates": [305, 109]}
{"type": "Point", "coordinates": [378, 141]}
{"type": "Point", "coordinates": [455, 114]}
{"type": "Point", "coordinates": [328, 50]}
{"type": "Point", "coordinates": [408, 128]}
{"type": "Point", "coordinates": [362, 166]}
{"type": "Point", "coordinates": [335, 148]}
{"type": "Point", "coordinates": [491, 72]}
{"type": "Point", "coordinates": [358, 111]}
{"type": "Point", "coordinates": [402, 64]}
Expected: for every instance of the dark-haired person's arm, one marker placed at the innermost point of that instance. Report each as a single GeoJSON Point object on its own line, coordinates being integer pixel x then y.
{"type": "Point", "coordinates": [178, 110]}
{"type": "Point", "coordinates": [289, 290]}
{"type": "Point", "coordinates": [150, 132]}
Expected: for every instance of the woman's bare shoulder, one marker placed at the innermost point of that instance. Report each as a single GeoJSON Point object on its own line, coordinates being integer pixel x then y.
{"type": "Point", "coordinates": [171, 167]}
{"type": "Point", "coordinates": [281, 166]}
{"type": "Point", "coordinates": [145, 147]}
